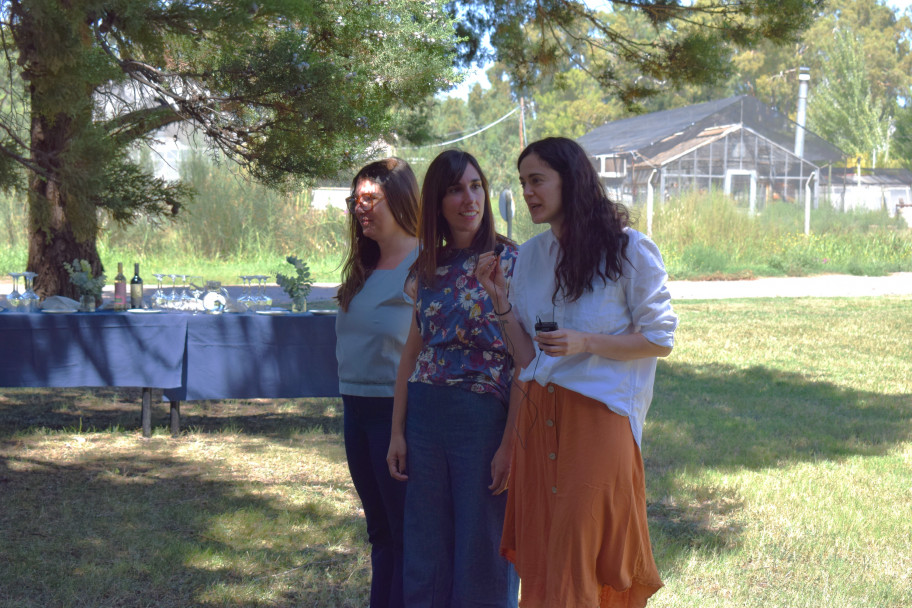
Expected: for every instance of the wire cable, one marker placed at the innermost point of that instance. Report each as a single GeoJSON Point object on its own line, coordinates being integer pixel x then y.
{"type": "Point", "coordinates": [453, 141]}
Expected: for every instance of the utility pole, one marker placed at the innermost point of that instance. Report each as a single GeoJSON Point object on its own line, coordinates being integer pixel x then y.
{"type": "Point", "coordinates": [522, 122]}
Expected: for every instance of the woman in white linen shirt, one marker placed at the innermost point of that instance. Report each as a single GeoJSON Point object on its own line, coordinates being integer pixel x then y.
{"type": "Point", "coordinates": [576, 526]}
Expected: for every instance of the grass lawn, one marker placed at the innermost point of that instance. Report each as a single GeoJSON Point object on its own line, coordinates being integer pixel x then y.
{"type": "Point", "coordinates": [778, 457]}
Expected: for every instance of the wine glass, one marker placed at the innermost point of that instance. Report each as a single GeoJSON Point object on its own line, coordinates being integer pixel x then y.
{"type": "Point", "coordinates": [246, 299]}
{"type": "Point", "coordinates": [14, 297]}
{"type": "Point", "coordinates": [267, 301]}
{"type": "Point", "coordinates": [262, 302]}
{"type": "Point", "coordinates": [197, 303]}
{"type": "Point", "coordinates": [29, 299]}
{"type": "Point", "coordinates": [173, 298]}
{"type": "Point", "coordinates": [185, 298]}
{"type": "Point", "coordinates": [159, 299]}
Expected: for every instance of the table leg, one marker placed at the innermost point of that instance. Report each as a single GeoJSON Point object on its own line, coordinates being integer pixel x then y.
{"type": "Point", "coordinates": [175, 418]}
{"type": "Point", "coordinates": [146, 411]}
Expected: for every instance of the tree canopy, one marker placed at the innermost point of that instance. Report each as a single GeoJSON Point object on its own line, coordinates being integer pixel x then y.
{"type": "Point", "coordinates": [286, 88]}
{"type": "Point", "coordinates": [673, 43]}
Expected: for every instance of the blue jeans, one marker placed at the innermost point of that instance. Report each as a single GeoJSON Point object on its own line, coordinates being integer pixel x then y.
{"type": "Point", "coordinates": [367, 425]}
{"type": "Point", "coordinates": [453, 523]}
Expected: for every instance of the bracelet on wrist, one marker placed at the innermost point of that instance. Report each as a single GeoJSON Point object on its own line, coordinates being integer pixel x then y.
{"type": "Point", "coordinates": [506, 312]}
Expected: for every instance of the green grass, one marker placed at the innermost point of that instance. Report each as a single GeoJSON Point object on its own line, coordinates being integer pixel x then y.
{"type": "Point", "coordinates": [778, 455]}
{"type": "Point", "coordinates": [778, 452]}
{"type": "Point", "coordinates": [709, 236]}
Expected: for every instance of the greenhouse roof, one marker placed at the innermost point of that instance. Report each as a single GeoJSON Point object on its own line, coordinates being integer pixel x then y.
{"type": "Point", "coordinates": [654, 134]}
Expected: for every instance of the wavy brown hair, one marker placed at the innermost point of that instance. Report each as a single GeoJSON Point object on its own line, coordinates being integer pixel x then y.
{"type": "Point", "coordinates": [396, 180]}
{"type": "Point", "coordinates": [434, 231]}
{"type": "Point", "coordinates": [593, 242]}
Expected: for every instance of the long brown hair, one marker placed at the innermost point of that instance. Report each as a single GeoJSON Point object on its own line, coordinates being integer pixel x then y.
{"type": "Point", "coordinates": [395, 178]}
{"type": "Point", "coordinates": [593, 242]}
{"type": "Point", "coordinates": [434, 231]}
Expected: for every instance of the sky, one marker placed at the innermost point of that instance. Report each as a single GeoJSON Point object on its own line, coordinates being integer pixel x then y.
{"type": "Point", "coordinates": [477, 74]}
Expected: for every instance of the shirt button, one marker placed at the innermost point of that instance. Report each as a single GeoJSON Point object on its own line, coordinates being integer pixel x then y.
{"type": "Point", "coordinates": [550, 388]}
{"type": "Point", "coordinates": [554, 489]}
{"type": "Point", "coordinates": [549, 422]}
{"type": "Point", "coordinates": [552, 456]}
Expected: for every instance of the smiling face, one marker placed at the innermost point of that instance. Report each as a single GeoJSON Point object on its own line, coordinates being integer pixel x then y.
{"type": "Point", "coordinates": [541, 186]}
{"type": "Point", "coordinates": [463, 207]}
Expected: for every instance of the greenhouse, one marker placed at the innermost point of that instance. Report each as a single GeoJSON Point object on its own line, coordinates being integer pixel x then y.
{"type": "Point", "coordinates": [737, 145]}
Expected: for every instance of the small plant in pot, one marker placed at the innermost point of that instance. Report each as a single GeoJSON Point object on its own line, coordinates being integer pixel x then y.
{"type": "Point", "coordinates": [296, 286]}
{"type": "Point", "coordinates": [88, 286]}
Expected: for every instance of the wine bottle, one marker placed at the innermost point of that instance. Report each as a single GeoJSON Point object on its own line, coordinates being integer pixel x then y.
{"type": "Point", "coordinates": [120, 289]}
{"type": "Point", "coordinates": [136, 288]}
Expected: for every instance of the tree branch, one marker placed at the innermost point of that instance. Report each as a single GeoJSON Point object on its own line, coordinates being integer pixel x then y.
{"type": "Point", "coordinates": [25, 162]}
{"type": "Point", "coordinates": [128, 127]}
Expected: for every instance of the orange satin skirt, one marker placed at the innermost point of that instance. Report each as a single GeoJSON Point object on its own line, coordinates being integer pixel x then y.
{"type": "Point", "coordinates": [575, 526]}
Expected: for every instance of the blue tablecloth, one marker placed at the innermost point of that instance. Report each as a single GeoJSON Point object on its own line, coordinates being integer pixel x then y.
{"type": "Point", "coordinates": [192, 357]}
{"type": "Point", "coordinates": [250, 356]}
{"type": "Point", "coordinates": [96, 349]}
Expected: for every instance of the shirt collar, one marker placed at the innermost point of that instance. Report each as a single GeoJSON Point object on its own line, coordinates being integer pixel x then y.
{"type": "Point", "coordinates": [552, 245]}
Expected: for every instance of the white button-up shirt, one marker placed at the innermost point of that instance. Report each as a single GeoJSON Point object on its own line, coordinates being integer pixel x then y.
{"type": "Point", "coordinates": [638, 301]}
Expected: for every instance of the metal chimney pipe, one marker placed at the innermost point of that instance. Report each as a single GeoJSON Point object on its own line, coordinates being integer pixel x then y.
{"type": "Point", "coordinates": [804, 75]}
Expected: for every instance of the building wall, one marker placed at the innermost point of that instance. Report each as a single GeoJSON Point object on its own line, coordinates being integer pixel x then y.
{"type": "Point", "coordinates": [869, 197]}
{"type": "Point", "coordinates": [330, 197]}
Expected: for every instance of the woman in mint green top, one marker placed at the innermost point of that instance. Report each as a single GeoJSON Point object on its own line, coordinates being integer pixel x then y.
{"type": "Point", "coordinates": [371, 328]}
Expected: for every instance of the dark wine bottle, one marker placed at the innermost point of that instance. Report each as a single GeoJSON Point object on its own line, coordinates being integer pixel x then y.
{"type": "Point", "coordinates": [120, 289]}
{"type": "Point", "coordinates": [136, 288]}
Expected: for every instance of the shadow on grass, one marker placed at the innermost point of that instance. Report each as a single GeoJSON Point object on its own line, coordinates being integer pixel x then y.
{"type": "Point", "coordinates": [119, 408]}
{"type": "Point", "coordinates": [727, 419]}
{"type": "Point", "coordinates": [722, 417]}
{"type": "Point", "coordinates": [156, 530]}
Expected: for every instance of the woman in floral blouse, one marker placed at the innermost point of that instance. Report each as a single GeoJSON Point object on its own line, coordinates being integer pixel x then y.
{"type": "Point", "coordinates": [452, 433]}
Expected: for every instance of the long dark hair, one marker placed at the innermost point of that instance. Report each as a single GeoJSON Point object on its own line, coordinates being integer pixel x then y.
{"type": "Point", "coordinates": [434, 231]}
{"type": "Point", "coordinates": [593, 242]}
{"type": "Point", "coordinates": [395, 178]}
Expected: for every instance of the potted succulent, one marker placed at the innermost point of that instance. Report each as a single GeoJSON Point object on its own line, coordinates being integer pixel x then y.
{"type": "Point", "coordinates": [88, 286]}
{"type": "Point", "coordinates": [298, 285]}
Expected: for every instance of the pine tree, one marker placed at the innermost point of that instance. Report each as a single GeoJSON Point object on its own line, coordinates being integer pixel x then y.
{"type": "Point", "coordinates": [287, 88]}
{"type": "Point", "coordinates": [683, 43]}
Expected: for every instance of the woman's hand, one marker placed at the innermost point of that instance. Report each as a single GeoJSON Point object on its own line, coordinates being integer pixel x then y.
{"type": "Point", "coordinates": [490, 275]}
{"type": "Point", "coordinates": [562, 342]}
{"type": "Point", "coordinates": [500, 469]}
{"type": "Point", "coordinates": [395, 458]}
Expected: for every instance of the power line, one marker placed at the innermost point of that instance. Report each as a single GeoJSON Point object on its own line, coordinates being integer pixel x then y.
{"type": "Point", "coordinates": [453, 141]}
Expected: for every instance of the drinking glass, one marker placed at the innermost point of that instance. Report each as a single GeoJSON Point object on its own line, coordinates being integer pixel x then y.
{"type": "Point", "coordinates": [185, 298]}
{"type": "Point", "coordinates": [14, 298]}
{"type": "Point", "coordinates": [29, 300]}
{"type": "Point", "coordinates": [173, 299]}
{"type": "Point", "coordinates": [267, 301]}
{"type": "Point", "coordinates": [197, 303]}
{"type": "Point", "coordinates": [262, 302]}
{"type": "Point", "coordinates": [159, 299]}
{"type": "Point", "coordinates": [245, 297]}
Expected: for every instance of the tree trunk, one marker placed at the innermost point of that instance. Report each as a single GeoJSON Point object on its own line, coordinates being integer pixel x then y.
{"type": "Point", "coordinates": [55, 217]}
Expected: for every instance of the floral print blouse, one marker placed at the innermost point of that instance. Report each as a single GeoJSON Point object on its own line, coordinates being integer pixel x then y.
{"type": "Point", "coordinates": [463, 343]}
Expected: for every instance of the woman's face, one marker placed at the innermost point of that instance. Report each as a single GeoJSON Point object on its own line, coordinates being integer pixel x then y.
{"type": "Point", "coordinates": [463, 207]}
{"type": "Point", "coordinates": [541, 186]}
{"type": "Point", "coordinates": [373, 212]}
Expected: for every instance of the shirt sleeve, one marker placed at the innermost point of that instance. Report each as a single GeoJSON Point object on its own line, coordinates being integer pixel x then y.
{"type": "Point", "coordinates": [514, 285]}
{"type": "Point", "coordinates": [648, 298]}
